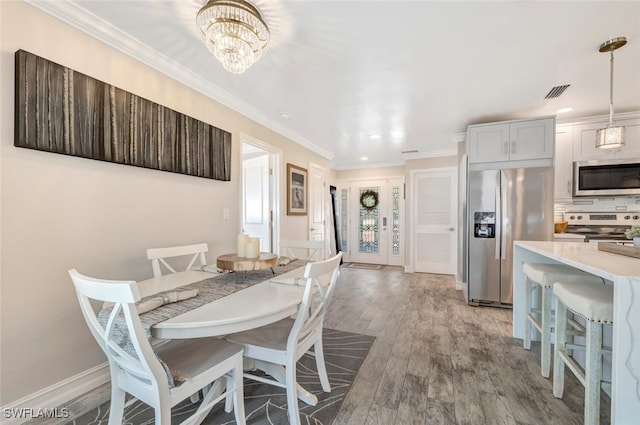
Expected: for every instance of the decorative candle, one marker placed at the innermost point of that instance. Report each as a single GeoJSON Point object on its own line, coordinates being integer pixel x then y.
{"type": "Point", "coordinates": [253, 248]}
{"type": "Point", "coordinates": [242, 245]}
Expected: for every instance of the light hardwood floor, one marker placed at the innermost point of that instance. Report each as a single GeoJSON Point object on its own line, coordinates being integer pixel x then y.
{"type": "Point", "coordinates": [438, 361]}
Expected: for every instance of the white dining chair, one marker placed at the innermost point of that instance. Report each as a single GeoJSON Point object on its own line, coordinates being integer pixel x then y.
{"type": "Point", "coordinates": [197, 363]}
{"type": "Point", "coordinates": [159, 256]}
{"type": "Point", "coordinates": [304, 250]}
{"type": "Point", "coordinates": [282, 343]}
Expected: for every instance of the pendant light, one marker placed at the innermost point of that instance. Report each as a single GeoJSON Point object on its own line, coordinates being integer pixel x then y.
{"type": "Point", "coordinates": [611, 137]}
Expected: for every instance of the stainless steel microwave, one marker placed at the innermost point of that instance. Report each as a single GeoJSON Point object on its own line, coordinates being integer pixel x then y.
{"type": "Point", "coordinates": [606, 178]}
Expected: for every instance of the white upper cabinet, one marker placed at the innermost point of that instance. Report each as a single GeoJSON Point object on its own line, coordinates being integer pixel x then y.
{"type": "Point", "coordinates": [563, 169]}
{"type": "Point", "coordinates": [488, 143]}
{"type": "Point", "coordinates": [584, 141]}
{"type": "Point", "coordinates": [512, 141]}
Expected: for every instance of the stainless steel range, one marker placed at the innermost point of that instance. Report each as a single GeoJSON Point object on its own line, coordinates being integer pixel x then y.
{"type": "Point", "coordinates": [601, 226]}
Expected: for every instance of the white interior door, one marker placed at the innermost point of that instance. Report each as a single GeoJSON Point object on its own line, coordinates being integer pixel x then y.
{"type": "Point", "coordinates": [434, 220]}
{"type": "Point", "coordinates": [317, 201]}
{"type": "Point", "coordinates": [256, 217]}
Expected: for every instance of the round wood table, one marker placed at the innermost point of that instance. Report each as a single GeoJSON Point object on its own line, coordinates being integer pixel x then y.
{"type": "Point", "coordinates": [232, 262]}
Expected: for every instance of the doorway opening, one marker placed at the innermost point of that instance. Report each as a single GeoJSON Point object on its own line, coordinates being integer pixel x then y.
{"type": "Point", "coordinates": [260, 176]}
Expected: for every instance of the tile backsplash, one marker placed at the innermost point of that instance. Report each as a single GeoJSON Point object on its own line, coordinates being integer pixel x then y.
{"type": "Point", "coordinates": [596, 205]}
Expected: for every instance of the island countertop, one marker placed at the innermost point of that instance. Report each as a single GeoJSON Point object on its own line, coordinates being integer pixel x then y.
{"type": "Point", "coordinates": [587, 257]}
{"type": "Point", "coordinates": [621, 271]}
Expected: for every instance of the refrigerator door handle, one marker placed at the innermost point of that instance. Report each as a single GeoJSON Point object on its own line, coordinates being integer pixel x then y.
{"type": "Point", "coordinates": [498, 227]}
{"type": "Point", "coordinates": [503, 224]}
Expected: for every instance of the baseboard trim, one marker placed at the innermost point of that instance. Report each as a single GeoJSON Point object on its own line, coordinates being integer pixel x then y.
{"type": "Point", "coordinates": [55, 395]}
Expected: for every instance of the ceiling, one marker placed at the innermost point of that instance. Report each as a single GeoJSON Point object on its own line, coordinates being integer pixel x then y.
{"type": "Point", "coordinates": [352, 79]}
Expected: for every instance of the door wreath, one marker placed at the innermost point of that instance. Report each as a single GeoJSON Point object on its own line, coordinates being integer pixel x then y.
{"type": "Point", "coordinates": [369, 199]}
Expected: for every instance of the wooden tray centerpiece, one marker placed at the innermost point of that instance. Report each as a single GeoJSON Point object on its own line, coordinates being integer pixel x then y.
{"type": "Point", "coordinates": [614, 248]}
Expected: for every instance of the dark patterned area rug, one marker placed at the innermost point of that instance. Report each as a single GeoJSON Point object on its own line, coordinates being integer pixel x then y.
{"type": "Point", "coordinates": [267, 404]}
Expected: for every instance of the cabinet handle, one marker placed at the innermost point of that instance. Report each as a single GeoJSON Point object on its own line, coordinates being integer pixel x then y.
{"type": "Point", "coordinates": [513, 146]}
{"type": "Point", "coordinates": [505, 148]}
{"type": "Point", "coordinates": [569, 186]}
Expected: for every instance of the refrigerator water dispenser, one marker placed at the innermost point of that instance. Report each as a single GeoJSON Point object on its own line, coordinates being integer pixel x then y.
{"type": "Point", "coordinates": [484, 224]}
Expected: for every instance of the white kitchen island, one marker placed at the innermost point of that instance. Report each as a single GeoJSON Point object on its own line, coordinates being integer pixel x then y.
{"type": "Point", "coordinates": [624, 273]}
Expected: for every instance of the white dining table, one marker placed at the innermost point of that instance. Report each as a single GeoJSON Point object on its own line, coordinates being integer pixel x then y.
{"type": "Point", "coordinates": [249, 308]}
{"type": "Point", "coordinates": [624, 274]}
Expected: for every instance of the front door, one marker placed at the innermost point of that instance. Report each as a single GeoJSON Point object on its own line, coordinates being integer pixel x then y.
{"type": "Point", "coordinates": [374, 226]}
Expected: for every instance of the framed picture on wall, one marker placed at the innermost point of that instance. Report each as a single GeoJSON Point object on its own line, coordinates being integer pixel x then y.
{"type": "Point", "coordinates": [296, 190]}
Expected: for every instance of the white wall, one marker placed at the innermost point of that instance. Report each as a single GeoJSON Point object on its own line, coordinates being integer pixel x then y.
{"type": "Point", "coordinates": [59, 212]}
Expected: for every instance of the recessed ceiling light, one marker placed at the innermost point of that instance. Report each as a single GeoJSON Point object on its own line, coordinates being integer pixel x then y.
{"type": "Point", "coordinates": [364, 158]}
{"type": "Point", "coordinates": [284, 115]}
{"type": "Point", "coordinates": [375, 136]}
{"type": "Point", "coordinates": [563, 110]}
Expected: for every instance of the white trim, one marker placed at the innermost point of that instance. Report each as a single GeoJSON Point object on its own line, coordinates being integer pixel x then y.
{"type": "Point", "coordinates": [361, 179]}
{"type": "Point", "coordinates": [430, 154]}
{"type": "Point", "coordinates": [60, 393]}
{"type": "Point", "coordinates": [459, 137]}
{"type": "Point", "coordinates": [369, 165]}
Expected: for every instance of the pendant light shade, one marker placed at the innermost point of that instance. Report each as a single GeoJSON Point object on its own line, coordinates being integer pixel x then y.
{"type": "Point", "coordinates": [234, 32]}
{"type": "Point", "coordinates": [611, 137]}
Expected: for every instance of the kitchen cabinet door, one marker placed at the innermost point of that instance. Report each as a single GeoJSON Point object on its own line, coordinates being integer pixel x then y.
{"type": "Point", "coordinates": [584, 141]}
{"type": "Point", "coordinates": [531, 139]}
{"type": "Point", "coordinates": [512, 141]}
{"type": "Point", "coordinates": [563, 164]}
{"type": "Point", "coordinates": [488, 143]}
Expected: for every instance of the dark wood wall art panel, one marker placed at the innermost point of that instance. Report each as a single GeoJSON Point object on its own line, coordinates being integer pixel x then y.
{"type": "Point", "coordinates": [63, 111]}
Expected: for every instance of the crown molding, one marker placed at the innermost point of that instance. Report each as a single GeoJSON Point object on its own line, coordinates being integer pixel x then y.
{"type": "Point", "coordinates": [78, 17]}
{"type": "Point", "coordinates": [368, 165]}
{"type": "Point", "coordinates": [458, 137]}
{"type": "Point", "coordinates": [430, 154]}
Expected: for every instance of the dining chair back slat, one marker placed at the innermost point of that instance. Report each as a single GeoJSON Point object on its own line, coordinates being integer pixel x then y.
{"type": "Point", "coordinates": [159, 256]}
{"type": "Point", "coordinates": [304, 250]}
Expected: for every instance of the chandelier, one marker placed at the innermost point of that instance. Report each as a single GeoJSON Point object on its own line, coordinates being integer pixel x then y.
{"type": "Point", "coordinates": [611, 136]}
{"type": "Point", "coordinates": [234, 32]}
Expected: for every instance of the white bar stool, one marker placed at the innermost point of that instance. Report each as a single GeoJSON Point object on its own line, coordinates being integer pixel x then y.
{"type": "Point", "coordinates": [594, 303]}
{"type": "Point", "coordinates": [541, 276]}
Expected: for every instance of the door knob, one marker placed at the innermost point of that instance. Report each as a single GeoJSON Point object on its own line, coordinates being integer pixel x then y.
{"type": "Point", "coordinates": [451, 229]}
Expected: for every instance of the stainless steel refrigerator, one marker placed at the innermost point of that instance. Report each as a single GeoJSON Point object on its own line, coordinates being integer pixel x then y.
{"type": "Point", "coordinates": [504, 206]}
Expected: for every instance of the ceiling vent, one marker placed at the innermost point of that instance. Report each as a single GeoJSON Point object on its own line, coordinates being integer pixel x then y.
{"type": "Point", "coordinates": [556, 91]}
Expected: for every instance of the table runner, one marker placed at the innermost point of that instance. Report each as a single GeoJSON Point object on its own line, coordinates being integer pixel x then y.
{"type": "Point", "coordinates": [209, 290]}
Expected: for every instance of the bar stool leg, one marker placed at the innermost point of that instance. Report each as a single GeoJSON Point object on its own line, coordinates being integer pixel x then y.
{"type": "Point", "coordinates": [561, 340]}
{"type": "Point", "coordinates": [593, 370]}
{"type": "Point", "coordinates": [529, 288]}
{"type": "Point", "coordinates": [545, 358]}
